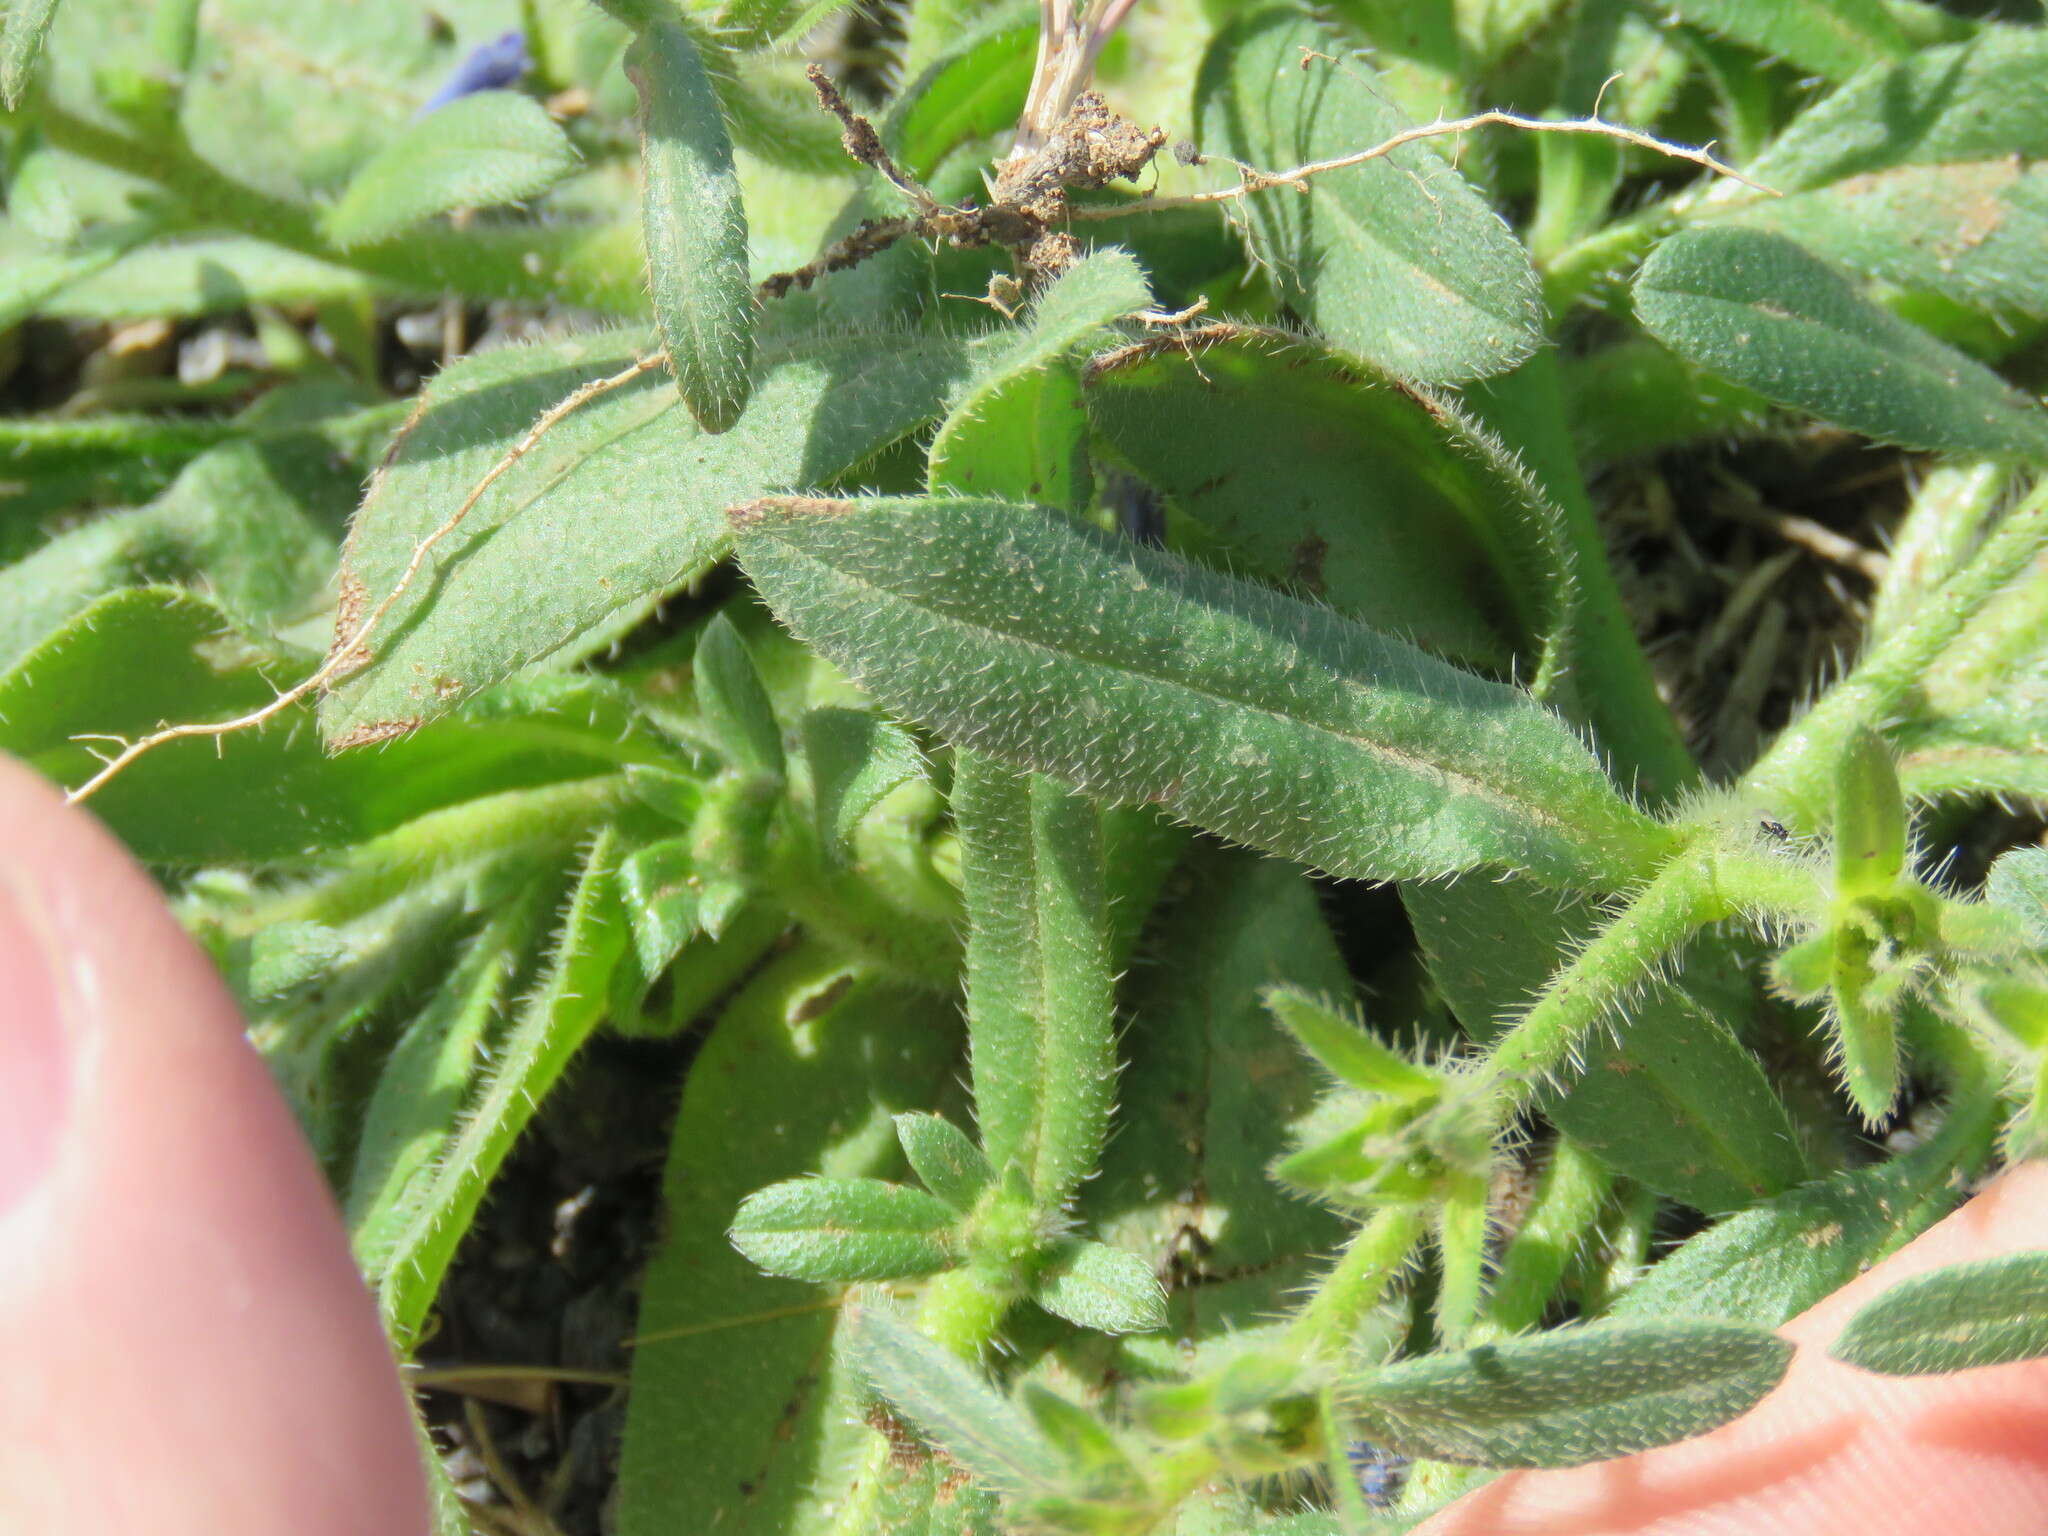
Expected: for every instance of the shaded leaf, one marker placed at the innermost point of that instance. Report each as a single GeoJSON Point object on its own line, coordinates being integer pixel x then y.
{"type": "Point", "coordinates": [1672, 1099]}
{"type": "Point", "coordinates": [1962, 102]}
{"type": "Point", "coordinates": [1992, 1312]}
{"type": "Point", "coordinates": [538, 1048]}
{"type": "Point", "coordinates": [1388, 504]}
{"type": "Point", "coordinates": [844, 1229]}
{"type": "Point", "coordinates": [1398, 261]}
{"type": "Point", "coordinates": [734, 703]}
{"type": "Point", "coordinates": [785, 1408]}
{"type": "Point", "coordinates": [476, 152]}
{"type": "Point", "coordinates": [618, 503]}
{"type": "Point", "coordinates": [856, 759]}
{"type": "Point", "coordinates": [1572, 1396]}
{"type": "Point", "coordinates": [661, 901]}
{"type": "Point", "coordinates": [1757, 309]}
{"type": "Point", "coordinates": [1140, 679]}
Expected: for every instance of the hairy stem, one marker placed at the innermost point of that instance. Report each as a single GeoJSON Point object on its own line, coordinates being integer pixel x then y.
{"type": "Point", "coordinates": [1359, 1280]}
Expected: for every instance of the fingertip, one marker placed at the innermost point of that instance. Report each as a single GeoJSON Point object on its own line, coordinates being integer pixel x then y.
{"type": "Point", "coordinates": [177, 1298]}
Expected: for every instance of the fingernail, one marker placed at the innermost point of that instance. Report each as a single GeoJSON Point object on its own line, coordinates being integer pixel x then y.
{"type": "Point", "coordinates": [35, 1054]}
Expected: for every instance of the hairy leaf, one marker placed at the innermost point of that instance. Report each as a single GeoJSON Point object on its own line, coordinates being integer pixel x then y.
{"type": "Point", "coordinates": [1757, 309]}
{"type": "Point", "coordinates": [784, 1409]}
{"type": "Point", "coordinates": [1961, 103]}
{"type": "Point", "coordinates": [856, 760]}
{"type": "Point", "coordinates": [844, 1229]}
{"type": "Point", "coordinates": [1040, 1008]}
{"type": "Point", "coordinates": [1095, 1286]}
{"type": "Point", "coordinates": [21, 40]}
{"type": "Point", "coordinates": [1391, 505]}
{"type": "Point", "coordinates": [618, 503]}
{"type": "Point", "coordinates": [951, 1166]}
{"type": "Point", "coordinates": [550, 1029]}
{"type": "Point", "coordinates": [1991, 1312]}
{"type": "Point", "coordinates": [1398, 261]}
{"type": "Point", "coordinates": [1673, 1099]}
{"type": "Point", "coordinates": [1573, 1396]}
{"type": "Point", "coordinates": [1140, 679]}
{"type": "Point", "coordinates": [1973, 231]}
{"type": "Point", "coordinates": [950, 1403]}
{"type": "Point", "coordinates": [477, 152]}
{"type": "Point", "coordinates": [1835, 38]}
{"type": "Point", "coordinates": [1767, 1264]}
{"type": "Point", "coordinates": [696, 227]}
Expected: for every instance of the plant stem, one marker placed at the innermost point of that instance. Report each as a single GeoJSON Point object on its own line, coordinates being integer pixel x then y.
{"type": "Point", "coordinates": [1358, 1281]}
{"type": "Point", "coordinates": [1795, 778]}
{"type": "Point", "coordinates": [539, 823]}
{"type": "Point", "coordinates": [1681, 898]}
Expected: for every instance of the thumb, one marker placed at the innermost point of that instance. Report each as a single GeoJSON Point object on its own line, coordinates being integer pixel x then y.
{"type": "Point", "coordinates": [188, 1345]}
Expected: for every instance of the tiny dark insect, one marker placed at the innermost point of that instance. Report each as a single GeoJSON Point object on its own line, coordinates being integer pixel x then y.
{"type": "Point", "coordinates": [1381, 1473]}
{"type": "Point", "coordinates": [1777, 831]}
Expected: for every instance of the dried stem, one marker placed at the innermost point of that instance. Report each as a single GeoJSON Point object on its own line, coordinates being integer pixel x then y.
{"type": "Point", "coordinates": [1298, 177]}
{"type": "Point", "coordinates": [349, 652]}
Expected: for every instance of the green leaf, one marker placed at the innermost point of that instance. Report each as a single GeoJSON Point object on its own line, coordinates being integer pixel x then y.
{"type": "Point", "coordinates": [1974, 231]}
{"type": "Point", "coordinates": [1959, 103]}
{"type": "Point", "coordinates": [619, 503]}
{"type": "Point", "coordinates": [476, 152]}
{"type": "Point", "coordinates": [973, 93]}
{"type": "Point", "coordinates": [951, 1166]}
{"type": "Point", "coordinates": [658, 888]}
{"type": "Point", "coordinates": [1040, 1006]}
{"type": "Point", "coordinates": [1095, 1286]}
{"type": "Point", "coordinates": [544, 1039]}
{"type": "Point", "coordinates": [1834, 38]}
{"type": "Point", "coordinates": [844, 1229]}
{"type": "Point", "coordinates": [1343, 1046]}
{"type": "Point", "coordinates": [1211, 1091]}
{"type": "Point", "coordinates": [952, 1405]}
{"type": "Point", "coordinates": [1870, 819]}
{"type": "Point", "coordinates": [696, 227]}
{"type": "Point", "coordinates": [734, 704]}
{"type": "Point", "coordinates": [1757, 309]}
{"type": "Point", "coordinates": [1392, 506]}
{"type": "Point", "coordinates": [1991, 1312]}
{"type": "Point", "coordinates": [1767, 1264]}
{"type": "Point", "coordinates": [28, 21]}
{"type": "Point", "coordinates": [1574, 1395]}
{"type": "Point", "coordinates": [1672, 1099]}
{"type": "Point", "coordinates": [1020, 430]}
{"type": "Point", "coordinates": [1139, 679]}
{"type": "Point", "coordinates": [786, 1408]}
{"type": "Point", "coordinates": [414, 1111]}
{"type": "Point", "coordinates": [856, 760]}
{"type": "Point", "coordinates": [1398, 261]}
{"type": "Point", "coordinates": [2018, 882]}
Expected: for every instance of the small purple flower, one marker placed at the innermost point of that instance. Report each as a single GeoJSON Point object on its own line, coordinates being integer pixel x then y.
{"type": "Point", "coordinates": [488, 67]}
{"type": "Point", "coordinates": [1381, 1473]}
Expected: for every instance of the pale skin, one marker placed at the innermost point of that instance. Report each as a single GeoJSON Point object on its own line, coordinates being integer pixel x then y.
{"type": "Point", "coordinates": [187, 1346]}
